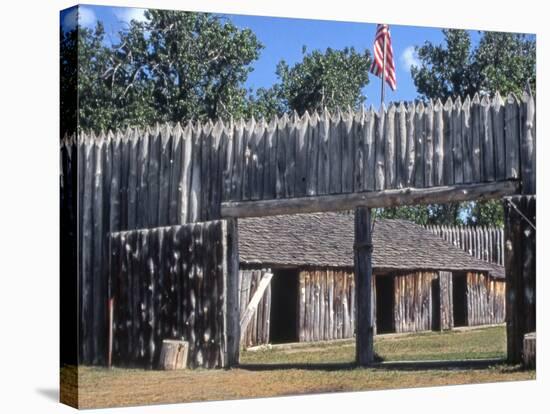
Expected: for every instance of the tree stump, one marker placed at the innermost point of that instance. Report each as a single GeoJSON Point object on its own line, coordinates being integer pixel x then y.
{"type": "Point", "coordinates": [173, 354]}
{"type": "Point", "coordinates": [530, 350]}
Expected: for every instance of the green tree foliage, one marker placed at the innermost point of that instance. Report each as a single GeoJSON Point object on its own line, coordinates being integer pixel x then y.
{"type": "Point", "coordinates": [501, 61]}
{"type": "Point", "coordinates": [333, 79]}
{"type": "Point", "coordinates": [173, 66]}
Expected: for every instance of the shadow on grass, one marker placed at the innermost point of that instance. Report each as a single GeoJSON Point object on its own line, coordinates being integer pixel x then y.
{"type": "Point", "coordinates": [389, 365]}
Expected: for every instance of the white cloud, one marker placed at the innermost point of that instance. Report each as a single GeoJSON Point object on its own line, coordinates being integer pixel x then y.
{"type": "Point", "coordinates": [127, 14]}
{"type": "Point", "coordinates": [409, 58]}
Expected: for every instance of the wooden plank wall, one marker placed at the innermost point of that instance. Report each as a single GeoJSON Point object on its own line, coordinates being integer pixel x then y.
{"type": "Point", "coordinates": [170, 283]}
{"type": "Point", "coordinates": [446, 300]}
{"type": "Point", "coordinates": [485, 299]}
{"type": "Point", "coordinates": [257, 332]}
{"type": "Point", "coordinates": [521, 283]}
{"type": "Point", "coordinates": [169, 174]}
{"type": "Point", "coordinates": [326, 304]}
{"type": "Point", "coordinates": [484, 243]}
{"type": "Point", "coordinates": [413, 301]}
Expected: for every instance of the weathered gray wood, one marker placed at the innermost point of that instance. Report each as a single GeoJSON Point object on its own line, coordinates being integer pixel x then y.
{"type": "Point", "coordinates": [448, 167]}
{"type": "Point", "coordinates": [360, 154]}
{"type": "Point", "coordinates": [429, 145]}
{"type": "Point", "coordinates": [420, 142]}
{"type": "Point", "coordinates": [271, 159]}
{"type": "Point", "coordinates": [390, 150]}
{"type": "Point", "coordinates": [232, 333]}
{"type": "Point", "coordinates": [186, 174]}
{"type": "Point", "coordinates": [456, 134]}
{"type": "Point", "coordinates": [290, 156]}
{"type": "Point", "coordinates": [520, 270]}
{"type": "Point", "coordinates": [254, 301]}
{"type": "Point", "coordinates": [438, 144]}
{"type": "Point", "coordinates": [313, 142]}
{"type": "Point", "coordinates": [363, 283]}
{"type": "Point", "coordinates": [497, 116]}
{"type": "Point", "coordinates": [466, 141]}
{"type": "Point", "coordinates": [302, 129]}
{"type": "Point", "coordinates": [528, 142]}
{"type": "Point", "coordinates": [173, 354]}
{"type": "Point", "coordinates": [335, 154]}
{"type": "Point", "coordinates": [512, 136]}
{"type": "Point", "coordinates": [323, 169]}
{"type": "Point", "coordinates": [369, 137]}
{"type": "Point", "coordinates": [476, 130]}
{"type": "Point", "coordinates": [530, 350]}
{"type": "Point", "coordinates": [487, 141]}
{"type": "Point", "coordinates": [386, 198]}
{"type": "Point", "coordinates": [348, 150]}
{"type": "Point", "coordinates": [401, 145]}
{"type": "Point", "coordinates": [380, 143]}
{"type": "Point", "coordinates": [282, 143]}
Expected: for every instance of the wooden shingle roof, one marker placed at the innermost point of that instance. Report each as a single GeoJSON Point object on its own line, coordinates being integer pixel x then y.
{"type": "Point", "coordinates": [326, 240]}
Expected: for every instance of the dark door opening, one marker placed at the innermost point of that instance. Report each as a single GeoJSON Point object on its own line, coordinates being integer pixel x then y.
{"type": "Point", "coordinates": [436, 305]}
{"type": "Point", "coordinates": [283, 324]}
{"type": "Point", "coordinates": [384, 304]}
{"type": "Point", "coordinates": [459, 300]}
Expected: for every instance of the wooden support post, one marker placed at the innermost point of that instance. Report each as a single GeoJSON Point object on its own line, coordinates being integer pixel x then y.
{"type": "Point", "coordinates": [232, 330]}
{"type": "Point", "coordinates": [519, 262]}
{"type": "Point", "coordinates": [363, 287]}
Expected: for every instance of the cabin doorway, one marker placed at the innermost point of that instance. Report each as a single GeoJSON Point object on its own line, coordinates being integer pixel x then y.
{"type": "Point", "coordinates": [384, 304]}
{"type": "Point", "coordinates": [436, 305]}
{"type": "Point", "coordinates": [284, 306]}
{"type": "Point", "coordinates": [459, 299]}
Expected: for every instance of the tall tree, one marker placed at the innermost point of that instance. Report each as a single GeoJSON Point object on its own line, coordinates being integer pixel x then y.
{"type": "Point", "coordinates": [331, 79]}
{"type": "Point", "coordinates": [500, 61]}
{"type": "Point", "coordinates": [173, 66]}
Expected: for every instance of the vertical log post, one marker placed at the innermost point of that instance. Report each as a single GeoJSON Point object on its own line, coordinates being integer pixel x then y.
{"type": "Point", "coordinates": [519, 259]}
{"type": "Point", "coordinates": [363, 283]}
{"type": "Point", "coordinates": [231, 308]}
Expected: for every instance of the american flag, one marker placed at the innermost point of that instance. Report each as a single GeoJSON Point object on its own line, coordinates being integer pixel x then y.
{"type": "Point", "coordinates": [383, 32]}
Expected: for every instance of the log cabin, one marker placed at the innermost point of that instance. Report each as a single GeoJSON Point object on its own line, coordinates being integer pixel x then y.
{"type": "Point", "coordinates": [420, 281]}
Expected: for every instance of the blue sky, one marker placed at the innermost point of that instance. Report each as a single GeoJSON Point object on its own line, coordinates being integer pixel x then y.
{"type": "Point", "coordinates": [284, 38]}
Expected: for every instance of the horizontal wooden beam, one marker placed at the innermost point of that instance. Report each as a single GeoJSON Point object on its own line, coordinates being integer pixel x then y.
{"type": "Point", "coordinates": [371, 199]}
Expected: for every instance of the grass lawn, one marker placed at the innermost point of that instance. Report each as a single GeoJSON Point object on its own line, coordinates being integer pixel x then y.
{"type": "Point", "coordinates": [314, 368]}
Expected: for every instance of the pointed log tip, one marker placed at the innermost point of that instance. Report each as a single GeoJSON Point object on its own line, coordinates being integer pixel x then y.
{"type": "Point", "coordinates": [527, 90]}
{"type": "Point", "coordinates": [438, 105]}
{"type": "Point", "coordinates": [475, 99]}
{"type": "Point", "coordinates": [512, 98]}
{"type": "Point", "coordinates": [448, 103]}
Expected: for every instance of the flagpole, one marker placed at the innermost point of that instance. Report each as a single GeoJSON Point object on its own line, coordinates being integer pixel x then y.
{"type": "Point", "coordinates": [383, 72]}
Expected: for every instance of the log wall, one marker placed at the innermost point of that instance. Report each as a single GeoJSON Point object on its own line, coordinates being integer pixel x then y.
{"type": "Point", "coordinates": [171, 283]}
{"type": "Point", "coordinates": [326, 305]}
{"type": "Point", "coordinates": [413, 301]}
{"type": "Point", "coordinates": [446, 318]}
{"type": "Point", "coordinates": [257, 332]}
{"type": "Point", "coordinates": [484, 243]}
{"type": "Point", "coordinates": [485, 299]}
{"type": "Point", "coordinates": [169, 174]}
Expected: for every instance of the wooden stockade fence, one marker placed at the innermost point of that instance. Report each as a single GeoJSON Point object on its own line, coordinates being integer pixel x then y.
{"type": "Point", "coordinates": [169, 175]}
{"type": "Point", "coordinates": [172, 283]}
{"type": "Point", "coordinates": [326, 304]}
{"type": "Point", "coordinates": [483, 242]}
{"type": "Point", "coordinates": [486, 299]}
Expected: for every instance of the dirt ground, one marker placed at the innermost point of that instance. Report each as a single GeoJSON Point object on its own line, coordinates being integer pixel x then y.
{"type": "Point", "coordinates": [319, 368]}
